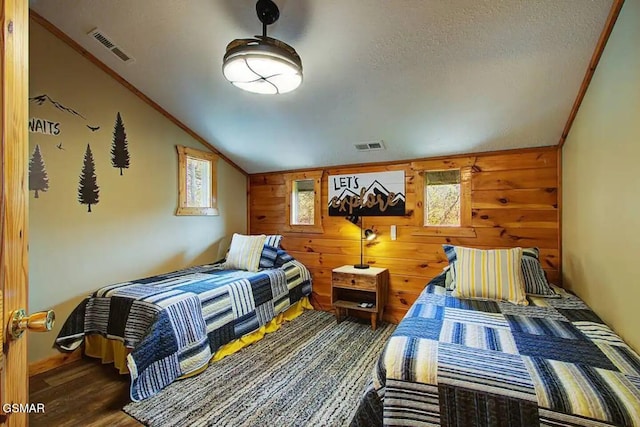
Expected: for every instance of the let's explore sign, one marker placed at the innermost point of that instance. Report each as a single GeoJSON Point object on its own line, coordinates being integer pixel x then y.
{"type": "Point", "coordinates": [367, 194]}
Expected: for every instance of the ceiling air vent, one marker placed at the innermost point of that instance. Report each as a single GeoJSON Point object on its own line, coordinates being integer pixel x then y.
{"type": "Point", "coordinates": [110, 45]}
{"type": "Point", "coordinates": [370, 146]}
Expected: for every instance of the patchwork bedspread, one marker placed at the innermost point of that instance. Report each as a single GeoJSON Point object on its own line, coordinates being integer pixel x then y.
{"type": "Point", "coordinates": [460, 362]}
{"type": "Point", "coordinates": [175, 322]}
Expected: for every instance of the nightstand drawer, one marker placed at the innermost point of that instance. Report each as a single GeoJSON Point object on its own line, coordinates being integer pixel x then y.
{"type": "Point", "coordinates": [355, 281]}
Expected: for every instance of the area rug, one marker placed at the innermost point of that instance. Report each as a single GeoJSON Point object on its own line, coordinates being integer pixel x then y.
{"type": "Point", "coordinates": [311, 372]}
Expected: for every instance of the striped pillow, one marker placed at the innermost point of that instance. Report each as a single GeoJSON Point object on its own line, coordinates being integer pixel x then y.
{"type": "Point", "coordinates": [494, 274]}
{"type": "Point", "coordinates": [244, 253]}
{"type": "Point", "coordinates": [282, 258]}
{"type": "Point", "coordinates": [268, 256]}
{"type": "Point", "coordinates": [273, 240]}
{"type": "Point", "coordinates": [270, 250]}
{"type": "Point", "coordinates": [450, 278]}
{"type": "Point", "coordinates": [535, 281]}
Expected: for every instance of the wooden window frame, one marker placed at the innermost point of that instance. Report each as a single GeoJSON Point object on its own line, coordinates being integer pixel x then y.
{"type": "Point", "coordinates": [183, 154]}
{"type": "Point", "coordinates": [465, 229]}
{"type": "Point", "coordinates": [290, 178]}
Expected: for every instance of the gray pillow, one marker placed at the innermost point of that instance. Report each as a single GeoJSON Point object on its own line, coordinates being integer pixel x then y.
{"type": "Point", "coordinates": [535, 281]}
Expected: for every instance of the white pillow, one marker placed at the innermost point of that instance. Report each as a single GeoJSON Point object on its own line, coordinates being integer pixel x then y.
{"type": "Point", "coordinates": [244, 252]}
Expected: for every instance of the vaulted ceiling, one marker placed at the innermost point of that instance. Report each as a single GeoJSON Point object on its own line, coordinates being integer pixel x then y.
{"type": "Point", "coordinates": [428, 77]}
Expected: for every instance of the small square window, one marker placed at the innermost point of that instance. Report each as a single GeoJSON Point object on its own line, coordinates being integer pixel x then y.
{"type": "Point", "coordinates": [302, 209]}
{"type": "Point", "coordinates": [303, 202]}
{"type": "Point", "coordinates": [197, 189]}
{"type": "Point", "coordinates": [442, 198]}
{"type": "Point", "coordinates": [198, 183]}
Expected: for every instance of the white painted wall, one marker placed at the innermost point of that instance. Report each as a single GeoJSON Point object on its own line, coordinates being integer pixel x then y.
{"type": "Point", "coordinates": [601, 184]}
{"type": "Point", "coordinates": [132, 232]}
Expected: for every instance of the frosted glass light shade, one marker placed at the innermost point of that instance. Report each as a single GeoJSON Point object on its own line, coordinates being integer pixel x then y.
{"type": "Point", "coordinates": [265, 66]}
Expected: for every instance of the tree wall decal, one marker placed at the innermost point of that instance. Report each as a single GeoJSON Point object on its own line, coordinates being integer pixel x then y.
{"type": "Point", "coordinates": [38, 179]}
{"type": "Point", "coordinates": [88, 190]}
{"type": "Point", "coordinates": [119, 147]}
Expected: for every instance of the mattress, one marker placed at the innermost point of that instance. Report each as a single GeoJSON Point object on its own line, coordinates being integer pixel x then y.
{"type": "Point", "coordinates": [173, 323]}
{"type": "Point", "coordinates": [471, 362]}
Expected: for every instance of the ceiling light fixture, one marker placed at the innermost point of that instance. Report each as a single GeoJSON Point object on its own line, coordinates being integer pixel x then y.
{"type": "Point", "coordinates": [263, 64]}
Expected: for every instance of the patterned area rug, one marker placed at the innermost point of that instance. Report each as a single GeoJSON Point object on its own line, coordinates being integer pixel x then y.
{"type": "Point", "coordinates": [311, 372]}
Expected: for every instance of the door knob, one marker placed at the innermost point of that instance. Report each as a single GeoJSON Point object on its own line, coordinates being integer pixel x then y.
{"type": "Point", "coordinates": [41, 321]}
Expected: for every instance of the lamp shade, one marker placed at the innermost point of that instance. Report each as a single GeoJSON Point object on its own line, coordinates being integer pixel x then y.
{"type": "Point", "coordinates": [353, 219]}
{"type": "Point", "coordinates": [365, 234]}
{"type": "Point", "coordinates": [262, 65]}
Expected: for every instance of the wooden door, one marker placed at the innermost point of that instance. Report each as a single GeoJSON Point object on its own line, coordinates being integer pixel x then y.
{"type": "Point", "coordinates": [14, 65]}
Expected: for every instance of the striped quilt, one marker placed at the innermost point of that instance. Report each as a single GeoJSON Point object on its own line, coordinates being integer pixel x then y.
{"type": "Point", "coordinates": [175, 322]}
{"type": "Point", "coordinates": [460, 362]}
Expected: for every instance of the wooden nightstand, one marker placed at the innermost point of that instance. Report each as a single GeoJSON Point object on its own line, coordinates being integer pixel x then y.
{"type": "Point", "coordinates": [351, 286]}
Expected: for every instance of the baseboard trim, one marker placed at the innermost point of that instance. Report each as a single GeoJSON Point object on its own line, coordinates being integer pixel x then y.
{"type": "Point", "coordinates": [55, 361]}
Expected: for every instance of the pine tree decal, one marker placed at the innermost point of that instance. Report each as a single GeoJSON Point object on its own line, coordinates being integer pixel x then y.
{"type": "Point", "coordinates": [119, 147]}
{"type": "Point", "coordinates": [38, 179]}
{"type": "Point", "coordinates": [88, 189]}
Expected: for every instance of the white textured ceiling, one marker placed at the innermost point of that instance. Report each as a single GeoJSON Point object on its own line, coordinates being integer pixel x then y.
{"type": "Point", "coordinates": [429, 77]}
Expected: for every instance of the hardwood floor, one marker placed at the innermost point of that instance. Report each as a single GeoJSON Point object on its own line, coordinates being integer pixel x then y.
{"type": "Point", "coordinates": [82, 393]}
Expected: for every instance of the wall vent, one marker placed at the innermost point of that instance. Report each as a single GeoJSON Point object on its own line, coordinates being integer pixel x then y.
{"type": "Point", "coordinates": [110, 45]}
{"type": "Point", "coordinates": [370, 146]}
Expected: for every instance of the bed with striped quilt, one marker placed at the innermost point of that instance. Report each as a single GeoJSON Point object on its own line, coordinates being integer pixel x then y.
{"type": "Point", "coordinates": [456, 362]}
{"type": "Point", "coordinates": [173, 323]}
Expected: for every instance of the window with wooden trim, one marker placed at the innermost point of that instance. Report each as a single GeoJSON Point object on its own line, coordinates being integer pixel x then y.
{"type": "Point", "coordinates": [442, 198]}
{"type": "Point", "coordinates": [303, 202]}
{"type": "Point", "coordinates": [197, 182]}
{"type": "Point", "coordinates": [445, 198]}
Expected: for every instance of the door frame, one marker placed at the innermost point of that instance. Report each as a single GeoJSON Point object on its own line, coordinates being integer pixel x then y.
{"type": "Point", "coordinates": [14, 216]}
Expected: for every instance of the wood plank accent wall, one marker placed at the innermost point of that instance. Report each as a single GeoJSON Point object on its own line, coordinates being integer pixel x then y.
{"type": "Point", "coordinates": [514, 200]}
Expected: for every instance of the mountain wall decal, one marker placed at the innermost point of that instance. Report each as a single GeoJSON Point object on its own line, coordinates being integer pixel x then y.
{"type": "Point", "coordinates": [41, 99]}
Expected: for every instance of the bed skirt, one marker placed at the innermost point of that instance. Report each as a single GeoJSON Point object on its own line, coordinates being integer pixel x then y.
{"type": "Point", "coordinates": [114, 351]}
